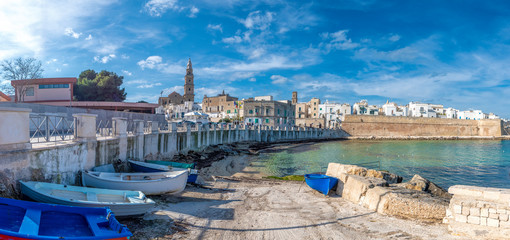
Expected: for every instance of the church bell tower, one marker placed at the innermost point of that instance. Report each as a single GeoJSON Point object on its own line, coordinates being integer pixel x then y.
{"type": "Point", "coordinates": [189, 86]}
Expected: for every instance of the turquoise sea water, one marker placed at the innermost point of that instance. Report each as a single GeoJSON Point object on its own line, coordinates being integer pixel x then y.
{"type": "Point", "coordinates": [468, 162]}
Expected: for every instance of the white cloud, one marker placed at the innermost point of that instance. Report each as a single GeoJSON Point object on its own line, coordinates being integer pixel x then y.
{"type": "Point", "coordinates": [124, 56]}
{"type": "Point", "coordinates": [258, 20]}
{"type": "Point", "coordinates": [215, 27]}
{"type": "Point", "coordinates": [156, 62]}
{"type": "Point", "coordinates": [193, 12]}
{"type": "Point", "coordinates": [151, 62]}
{"type": "Point", "coordinates": [89, 37]}
{"type": "Point", "coordinates": [252, 79]}
{"type": "Point", "coordinates": [234, 39]}
{"type": "Point", "coordinates": [132, 82]}
{"type": "Point", "coordinates": [28, 26]}
{"type": "Point", "coordinates": [338, 40]}
{"type": "Point", "coordinates": [159, 7]}
{"type": "Point", "coordinates": [178, 89]}
{"type": "Point", "coordinates": [104, 59]}
{"type": "Point", "coordinates": [127, 72]}
{"type": "Point", "coordinates": [149, 85]}
{"type": "Point", "coordinates": [69, 32]}
{"type": "Point", "coordinates": [278, 79]}
{"type": "Point", "coordinates": [394, 37]}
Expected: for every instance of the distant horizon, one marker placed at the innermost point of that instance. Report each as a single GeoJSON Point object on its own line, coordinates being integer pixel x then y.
{"type": "Point", "coordinates": [454, 53]}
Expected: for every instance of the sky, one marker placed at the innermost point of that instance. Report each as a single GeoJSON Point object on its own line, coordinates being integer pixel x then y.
{"type": "Point", "coordinates": [455, 53]}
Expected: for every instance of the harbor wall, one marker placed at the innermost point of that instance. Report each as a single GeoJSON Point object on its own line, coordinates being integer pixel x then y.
{"type": "Point", "coordinates": [479, 212]}
{"type": "Point", "coordinates": [388, 126]}
{"type": "Point", "coordinates": [61, 161]}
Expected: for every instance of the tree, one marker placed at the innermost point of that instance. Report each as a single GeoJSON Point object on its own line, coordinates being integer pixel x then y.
{"type": "Point", "coordinates": [103, 86]}
{"type": "Point", "coordinates": [19, 69]}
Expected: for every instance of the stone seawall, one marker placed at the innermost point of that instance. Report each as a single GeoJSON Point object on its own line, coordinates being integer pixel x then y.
{"type": "Point", "coordinates": [60, 162]}
{"type": "Point", "coordinates": [385, 126]}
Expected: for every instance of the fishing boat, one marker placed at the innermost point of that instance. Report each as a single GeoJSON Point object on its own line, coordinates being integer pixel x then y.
{"type": "Point", "coordinates": [173, 164]}
{"type": "Point", "coordinates": [121, 202]}
{"type": "Point", "coordinates": [149, 183]}
{"type": "Point", "coordinates": [32, 220]}
{"type": "Point", "coordinates": [321, 182]}
{"type": "Point", "coordinates": [138, 166]}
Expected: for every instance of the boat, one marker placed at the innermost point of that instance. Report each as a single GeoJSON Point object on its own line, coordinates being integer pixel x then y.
{"type": "Point", "coordinates": [121, 202]}
{"type": "Point", "coordinates": [32, 220]}
{"type": "Point", "coordinates": [173, 164]}
{"type": "Point", "coordinates": [321, 182]}
{"type": "Point", "coordinates": [149, 183]}
{"type": "Point", "coordinates": [138, 166]}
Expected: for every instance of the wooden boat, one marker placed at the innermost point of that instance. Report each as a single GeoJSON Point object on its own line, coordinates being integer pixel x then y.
{"type": "Point", "coordinates": [32, 220]}
{"type": "Point", "coordinates": [149, 183]}
{"type": "Point", "coordinates": [121, 202]}
{"type": "Point", "coordinates": [138, 166]}
{"type": "Point", "coordinates": [173, 164]}
{"type": "Point", "coordinates": [321, 182]}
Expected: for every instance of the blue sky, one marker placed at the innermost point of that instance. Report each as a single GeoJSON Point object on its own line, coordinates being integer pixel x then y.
{"type": "Point", "coordinates": [455, 53]}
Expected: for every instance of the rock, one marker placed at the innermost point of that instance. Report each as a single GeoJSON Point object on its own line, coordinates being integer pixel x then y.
{"type": "Point", "coordinates": [420, 183]}
{"type": "Point", "coordinates": [355, 187]}
{"type": "Point", "coordinates": [413, 204]}
{"type": "Point", "coordinates": [374, 196]}
{"type": "Point", "coordinates": [389, 177]}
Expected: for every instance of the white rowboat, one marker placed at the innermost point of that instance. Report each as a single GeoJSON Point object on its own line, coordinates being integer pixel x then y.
{"type": "Point", "coordinates": [150, 183]}
{"type": "Point", "coordinates": [122, 203]}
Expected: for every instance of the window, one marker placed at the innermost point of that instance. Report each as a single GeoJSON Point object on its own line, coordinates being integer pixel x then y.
{"type": "Point", "coordinates": [267, 111]}
{"type": "Point", "coordinates": [251, 111]}
{"type": "Point", "coordinates": [46, 86]}
{"type": "Point", "coordinates": [300, 109]}
{"type": "Point", "coordinates": [314, 109]}
{"type": "Point", "coordinates": [228, 111]}
{"type": "Point", "coordinates": [256, 120]}
{"type": "Point", "coordinates": [267, 120]}
{"type": "Point", "coordinates": [320, 109]}
{"type": "Point", "coordinates": [249, 119]}
{"type": "Point", "coordinates": [278, 120]}
{"type": "Point", "coordinates": [314, 114]}
{"type": "Point", "coordinates": [29, 91]}
{"type": "Point", "coordinates": [278, 111]}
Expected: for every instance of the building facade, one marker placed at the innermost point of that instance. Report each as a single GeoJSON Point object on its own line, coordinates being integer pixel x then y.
{"type": "Point", "coordinates": [222, 106]}
{"type": "Point", "coordinates": [333, 113]}
{"type": "Point", "coordinates": [189, 90]}
{"type": "Point", "coordinates": [268, 113]}
{"type": "Point", "coordinates": [44, 90]}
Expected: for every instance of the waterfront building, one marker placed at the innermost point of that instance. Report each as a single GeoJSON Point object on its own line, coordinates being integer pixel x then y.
{"type": "Point", "coordinates": [221, 106]}
{"type": "Point", "coordinates": [307, 114]}
{"type": "Point", "coordinates": [451, 113]}
{"type": "Point", "coordinates": [492, 116]}
{"type": "Point", "coordinates": [189, 90]}
{"type": "Point", "coordinates": [392, 109]}
{"type": "Point", "coordinates": [362, 108]}
{"type": "Point", "coordinates": [175, 105]}
{"type": "Point", "coordinates": [333, 113]}
{"type": "Point", "coordinates": [471, 115]}
{"type": "Point", "coordinates": [417, 109]}
{"type": "Point", "coordinates": [268, 112]}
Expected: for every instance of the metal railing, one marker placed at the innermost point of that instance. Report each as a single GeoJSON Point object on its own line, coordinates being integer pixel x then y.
{"type": "Point", "coordinates": [104, 128]}
{"type": "Point", "coordinates": [50, 128]}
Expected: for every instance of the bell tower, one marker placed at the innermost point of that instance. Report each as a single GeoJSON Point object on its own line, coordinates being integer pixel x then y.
{"type": "Point", "coordinates": [189, 86]}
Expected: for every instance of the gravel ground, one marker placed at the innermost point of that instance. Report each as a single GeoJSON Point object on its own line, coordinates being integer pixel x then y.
{"type": "Point", "coordinates": [253, 208]}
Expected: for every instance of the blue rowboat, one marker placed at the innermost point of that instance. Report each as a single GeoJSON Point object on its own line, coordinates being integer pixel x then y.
{"type": "Point", "coordinates": [321, 182]}
{"type": "Point", "coordinates": [31, 220]}
{"type": "Point", "coordinates": [138, 166]}
{"type": "Point", "coordinates": [173, 164]}
{"type": "Point", "coordinates": [121, 202]}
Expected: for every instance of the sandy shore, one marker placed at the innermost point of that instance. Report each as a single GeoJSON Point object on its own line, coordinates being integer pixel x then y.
{"type": "Point", "coordinates": [256, 208]}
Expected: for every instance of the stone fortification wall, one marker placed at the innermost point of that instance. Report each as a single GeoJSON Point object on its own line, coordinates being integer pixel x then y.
{"type": "Point", "coordinates": [384, 193]}
{"type": "Point", "coordinates": [60, 162]}
{"type": "Point", "coordinates": [479, 212]}
{"type": "Point", "coordinates": [366, 125]}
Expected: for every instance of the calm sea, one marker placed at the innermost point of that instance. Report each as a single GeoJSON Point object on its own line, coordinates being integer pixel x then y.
{"type": "Point", "coordinates": [482, 163]}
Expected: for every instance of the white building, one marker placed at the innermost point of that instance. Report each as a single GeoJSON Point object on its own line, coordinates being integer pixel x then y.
{"type": "Point", "coordinates": [451, 113]}
{"type": "Point", "coordinates": [417, 109]}
{"type": "Point", "coordinates": [177, 111]}
{"type": "Point", "coordinates": [471, 115]}
{"type": "Point", "coordinates": [360, 108]}
{"type": "Point", "coordinates": [392, 109]}
{"type": "Point", "coordinates": [334, 113]}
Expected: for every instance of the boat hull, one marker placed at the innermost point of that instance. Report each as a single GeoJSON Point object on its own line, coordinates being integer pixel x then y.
{"type": "Point", "coordinates": [321, 182]}
{"type": "Point", "coordinates": [173, 184]}
{"type": "Point", "coordinates": [155, 167]}
{"type": "Point", "coordinates": [138, 204]}
{"type": "Point", "coordinates": [31, 220]}
{"type": "Point", "coordinates": [173, 164]}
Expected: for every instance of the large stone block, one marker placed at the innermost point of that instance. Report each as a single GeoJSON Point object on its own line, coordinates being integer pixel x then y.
{"type": "Point", "coordinates": [374, 196]}
{"type": "Point", "coordinates": [356, 187]}
{"type": "Point", "coordinates": [14, 129]}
